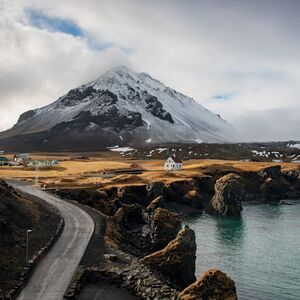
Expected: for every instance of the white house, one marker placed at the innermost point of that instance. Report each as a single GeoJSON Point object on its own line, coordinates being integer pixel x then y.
{"type": "Point", "coordinates": [173, 163]}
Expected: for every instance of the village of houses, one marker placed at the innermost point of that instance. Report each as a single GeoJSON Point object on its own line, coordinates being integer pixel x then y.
{"type": "Point", "coordinates": [24, 159]}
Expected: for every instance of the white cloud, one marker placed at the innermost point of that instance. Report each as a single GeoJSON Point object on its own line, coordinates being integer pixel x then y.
{"type": "Point", "coordinates": [248, 50]}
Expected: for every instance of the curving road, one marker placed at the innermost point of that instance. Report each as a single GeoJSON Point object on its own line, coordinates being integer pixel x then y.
{"type": "Point", "coordinates": [54, 273]}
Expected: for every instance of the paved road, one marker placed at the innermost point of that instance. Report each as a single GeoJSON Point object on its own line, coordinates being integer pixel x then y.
{"type": "Point", "coordinates": [52, 276]}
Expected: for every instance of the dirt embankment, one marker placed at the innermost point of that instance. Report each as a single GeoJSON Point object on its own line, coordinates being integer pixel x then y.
{"type": "Point", "coordinates": [18, 213]}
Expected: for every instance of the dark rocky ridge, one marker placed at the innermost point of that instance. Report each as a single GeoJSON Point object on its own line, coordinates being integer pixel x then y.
{"type": "Point", "coordinates": [18, 213]}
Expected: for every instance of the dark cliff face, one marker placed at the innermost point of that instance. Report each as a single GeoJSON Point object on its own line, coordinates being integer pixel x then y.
{"type": "Point", "coordinates": [157, 110]}
{"type": "Point", "coordinates": [111, 118]}
{"type": "Point", "coordinates": [26, 115]}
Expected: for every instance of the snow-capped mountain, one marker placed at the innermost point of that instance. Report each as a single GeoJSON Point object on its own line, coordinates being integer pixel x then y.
{"type": "Point", "coordinates": [122, 107]}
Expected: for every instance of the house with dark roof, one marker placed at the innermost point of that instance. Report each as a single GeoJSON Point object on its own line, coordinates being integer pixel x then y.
{"type": "Point", "coordinates": [173, 163]}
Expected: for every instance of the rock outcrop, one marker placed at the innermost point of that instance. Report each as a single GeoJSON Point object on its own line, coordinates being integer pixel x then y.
{"type": "Point", "coordinates": [193, 199]}
{"type": "Point", "coordinates": [212, 285]}
{"type": "Point", "coordinates": [132, 194]}
{"type": "Point", "coordinates": [128, 214]}
{"type": "Point", "coordinates": [229, 191]}
{"type": "Point", "coordinates": [155, 189]}
{"type": "Point", "coordinates": [156, 203]}
{"type": "Point", "coordinates": [274, 171]}
{"type": "Point", "coordinates": [177, 260]}
{"type": "Point", "coordinates": [164, 226]}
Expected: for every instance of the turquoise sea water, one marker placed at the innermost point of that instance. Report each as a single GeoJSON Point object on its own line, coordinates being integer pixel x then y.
{"type": "Point", "coordinates": [260, 251]}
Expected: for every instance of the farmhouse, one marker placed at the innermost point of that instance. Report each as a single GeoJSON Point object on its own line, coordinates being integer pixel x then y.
{"type": "Point", "coordinates": [173, 163]}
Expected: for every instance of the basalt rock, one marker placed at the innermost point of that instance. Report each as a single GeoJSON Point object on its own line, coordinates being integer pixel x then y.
{"type": "Point", "coordinates": [133, 194]}
{"type": "Point", "coordinates": [164, 226]}
{"type": "Point", "coordinates": [212, 285]}
{"type": "Point", "coordinates": [155, 189]}
{"type": "Point", "coordinates": [206, 183]}
{"type": "Point", "coordinates": [274, 189]}
{"type": "Point", "coordinates": [229, 191]}
{"type": "Point", "coordinates": [273, 172]}
{"type": "Point", "coordinates": [192, 198]}
{"type": "Point", "coordinates": [156, 203]}
{"type": "Point", "coordinates": [128, 214]}
{"type": "Point", "coordinates": [177, 260]}
{"type": "Point", "coordinates": [176, 190]}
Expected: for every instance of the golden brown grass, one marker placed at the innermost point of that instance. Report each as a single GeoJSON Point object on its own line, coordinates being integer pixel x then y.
{"type": "Point", "coordinates": [75, 173]}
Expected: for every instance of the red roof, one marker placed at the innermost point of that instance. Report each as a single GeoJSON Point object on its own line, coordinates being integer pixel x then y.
{"type": "Point", "coordinates": [176, 159]}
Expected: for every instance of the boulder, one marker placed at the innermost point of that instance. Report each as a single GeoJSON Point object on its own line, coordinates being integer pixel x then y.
{"type": "Point", "coordinates": [156, 203]}
{"type": "Point", "coordinates": [229, 191]}
{"type": "Point", "coordinates": [164, 226]}
{"type": "Point", "coordinates": [212, 285]}
{"type": "Point", "coordinates": [177, 260]}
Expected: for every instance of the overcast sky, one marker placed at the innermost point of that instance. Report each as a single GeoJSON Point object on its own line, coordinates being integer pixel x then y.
{"type": "Point", "coordinates": [240, 59]}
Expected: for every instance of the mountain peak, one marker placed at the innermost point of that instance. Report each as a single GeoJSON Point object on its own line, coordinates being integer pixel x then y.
{"type": "Point", "coordinates": [121, 107]}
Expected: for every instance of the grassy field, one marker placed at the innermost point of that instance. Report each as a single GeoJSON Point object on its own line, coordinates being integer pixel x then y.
{"type": "Point", "coordinates": [88, 173]}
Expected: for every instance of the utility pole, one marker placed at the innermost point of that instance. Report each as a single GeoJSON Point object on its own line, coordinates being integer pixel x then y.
{"type": "Point", "coordinates": [36, 183]}
{"type": "Point", "coordinates": [27, 245]}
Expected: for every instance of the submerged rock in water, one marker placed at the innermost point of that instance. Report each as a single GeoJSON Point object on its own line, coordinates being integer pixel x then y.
{"type": "Point", "coordinates": [229, 191]}
{"type": "Point", "coordinates": [164, 226]}
{"type": "Point", "coordinates": [212, 285]}
{"type": "Point", "coordinates": [177, 260]}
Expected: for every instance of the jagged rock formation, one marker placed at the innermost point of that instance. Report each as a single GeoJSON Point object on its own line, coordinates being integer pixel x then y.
{"type": "Point", "coordinates": [229, 191]}
{"type": "Point", "coordinates": [177, 260]}
{"type": "Point", "coordinates": [156, 203]}
{"type": "Point", "coordinates": [164, 226]}
{"type": "Point", "coordinates": [121, 107]}
{"type": "Point", "coordinates": [212, 285]}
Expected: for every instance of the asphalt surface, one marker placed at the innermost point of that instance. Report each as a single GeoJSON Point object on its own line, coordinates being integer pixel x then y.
{"type": "Point", "coordinates": [105, 292]}
{"type": "Point", "coordinates": [53, 274]}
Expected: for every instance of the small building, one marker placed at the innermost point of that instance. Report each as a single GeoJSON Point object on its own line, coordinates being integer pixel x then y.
{"type": "Point", "coordinates": [21, 159]}
{"type": "Point", "coordinates": [39, 163]}
{"type": "Point", "coordinates": [173, 163]}
{"type": "Point", "coordinates": [4, 161]}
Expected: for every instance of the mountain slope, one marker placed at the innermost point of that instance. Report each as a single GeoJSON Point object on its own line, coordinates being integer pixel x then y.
{"type": "Point", "coordinates": [121, 107]}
